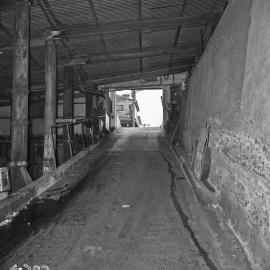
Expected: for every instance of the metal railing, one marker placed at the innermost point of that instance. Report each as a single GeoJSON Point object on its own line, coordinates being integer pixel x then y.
{"type": "Point", "coordinates": [73, 136]}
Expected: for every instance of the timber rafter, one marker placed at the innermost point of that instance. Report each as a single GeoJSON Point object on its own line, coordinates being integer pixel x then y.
{"type": "Point", "coordinates": [77, 30]}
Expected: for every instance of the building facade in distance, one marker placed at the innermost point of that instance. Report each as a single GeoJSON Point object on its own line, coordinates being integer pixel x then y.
{"type": "Point", "coordinates": [124, 108]}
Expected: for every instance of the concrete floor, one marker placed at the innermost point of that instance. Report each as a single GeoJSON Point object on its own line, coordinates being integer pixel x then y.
{"type": "Point", "coordinates": [134, 211]}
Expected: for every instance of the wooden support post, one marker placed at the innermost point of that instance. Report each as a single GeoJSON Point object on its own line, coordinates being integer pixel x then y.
{"type": "Point", "coordinates": [50, 105]}
{"type": "Point", "coordinates": [83, 136]}
{"type": "Point", "coordinates": [19, 124]}
{"type": "Point", "coordinates": [68, 110]}
{"type": "Point", "coordinates": [88, 114]}
{"type": "Point", "coordinates": [166, 97]}
{"type": "Point", "coordinates": [88, 105]}
{"type": "Point", "coordinates": [69, 141]}
{"type": "Point", "coordinates": [114, 110]}
{"type": "Point", "coordinates": [68, 93]}
{"type": "Point", "coordinates": [133, 107]}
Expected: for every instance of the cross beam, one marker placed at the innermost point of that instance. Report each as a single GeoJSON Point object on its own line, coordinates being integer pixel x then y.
{"type": "Point", "coordinates": [147, 75]}
{"type": "Point", "coordinates": [78, 30]}
{"type": "Point", "coordinates": [132, 54]}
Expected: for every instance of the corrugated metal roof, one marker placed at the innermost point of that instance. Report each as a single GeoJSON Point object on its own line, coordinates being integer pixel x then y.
{"type": "Point", "coordinates": [69, 11]}
{"type": "Point", "coordinates": [163, 37]}
{"type": "Point", "coordinates": [110, 11]}
{"type": "Point", "coordinates": [121, 41]}
{"type": "Point", "coordinates": [144, 47]}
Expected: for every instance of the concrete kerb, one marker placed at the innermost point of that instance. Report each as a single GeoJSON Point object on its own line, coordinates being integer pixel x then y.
{"type": "Point", "coordinates": [202, 192]}
{"type": "Point", "coordinates": [12, 205]}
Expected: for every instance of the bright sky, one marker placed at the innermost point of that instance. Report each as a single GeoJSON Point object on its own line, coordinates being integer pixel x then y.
{"type": "Point", "coordinates": [151, 111]}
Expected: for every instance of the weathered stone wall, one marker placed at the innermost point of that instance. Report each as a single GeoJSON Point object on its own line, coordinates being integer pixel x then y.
{"type": "Point", "coordinates": [229, 92]}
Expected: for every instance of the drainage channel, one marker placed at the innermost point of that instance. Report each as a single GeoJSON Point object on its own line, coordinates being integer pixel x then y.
{"type": "Point", "coordinates": [184, 217]}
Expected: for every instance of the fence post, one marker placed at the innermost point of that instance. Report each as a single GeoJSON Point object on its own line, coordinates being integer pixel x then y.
{"type": "Point", "coordinates": [69, 141]}
{"type": "Point", "coordinates": [83, 139]}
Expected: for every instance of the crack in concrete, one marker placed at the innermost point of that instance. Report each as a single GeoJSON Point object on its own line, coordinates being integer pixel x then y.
{"type": "Point", "coordinates": [184, 217]}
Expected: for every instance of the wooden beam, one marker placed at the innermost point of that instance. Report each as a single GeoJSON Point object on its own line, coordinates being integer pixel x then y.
{"type": "Point", "coordinates": [5, 30]}
{"type": "Point", "coordinates": [92, 7]}
{"type": "Point", "coordinates": [150, 74]}
{"type": "Point", "coordinates": [50, 106]}
{"type": "Point", "coordinates": [78, 30]}
{"type": "Point", "coordinates": [150, 87]}
{"type": "Point", "coordinates": [156, 82]}
{"type": "Point", "coordinates": [179, 30]}
{"type": "Point", "coordinates": [85, 30]}
{"type": "Point", "coordinates": [54, 22]}
{"type": "Point", "coordinates": [19, 114]}
{"type": "Point", "coordinates": [133, 53]}
{"type": "Point", "coordinates": [155, 71]}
